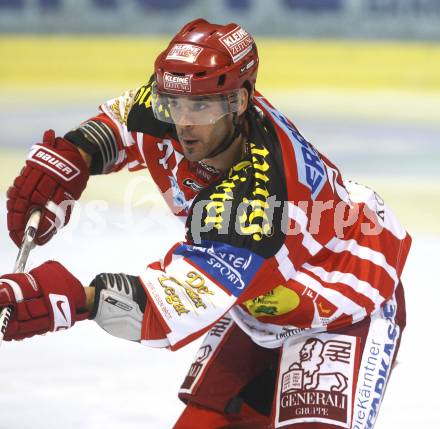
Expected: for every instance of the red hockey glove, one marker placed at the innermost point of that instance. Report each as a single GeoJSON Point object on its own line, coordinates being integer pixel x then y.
{"type": "Point", "coordinates": [54, 177]}
{"type": "Point", "coordinates": [48, 298]}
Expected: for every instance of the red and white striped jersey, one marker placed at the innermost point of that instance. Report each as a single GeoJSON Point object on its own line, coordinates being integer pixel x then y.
{"type": "Point", "coordinates": [280, 241]}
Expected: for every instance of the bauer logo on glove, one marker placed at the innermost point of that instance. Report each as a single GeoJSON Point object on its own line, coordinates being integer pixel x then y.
{"type": "Point", "coordinates": [54, 177]}
{"type": "Point", "coordinates": [54, 162]}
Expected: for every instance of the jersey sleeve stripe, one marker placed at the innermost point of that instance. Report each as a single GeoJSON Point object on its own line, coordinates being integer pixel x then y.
{"type": "Point", "coordinates": [349, 280]}
{"type": "Point", "coordinates": [298, 215]}
{"type": "Point", "coordinates": [362, 269]}
{"type": "Point", "coordinates": [285, 265]}
{"type": "Point", "coordinates": [338, 245]}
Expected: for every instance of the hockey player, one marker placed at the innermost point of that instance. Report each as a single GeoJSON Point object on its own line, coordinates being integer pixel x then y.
{"type": "Point", "coordinates": [291, 273]}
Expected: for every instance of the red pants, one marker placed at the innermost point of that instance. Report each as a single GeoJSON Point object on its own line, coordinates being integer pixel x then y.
{"type": "Point", "coordinates": [194, 417]}
{"type": "Point", "coordinates": [307, 384]}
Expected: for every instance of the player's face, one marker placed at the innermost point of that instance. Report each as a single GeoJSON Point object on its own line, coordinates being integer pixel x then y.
{"type": "Point", "coordinates": [198, 141]}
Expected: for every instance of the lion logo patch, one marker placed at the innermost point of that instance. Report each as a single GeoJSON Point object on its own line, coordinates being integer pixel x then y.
{"type": "Point", "coordinates": [315, 380]}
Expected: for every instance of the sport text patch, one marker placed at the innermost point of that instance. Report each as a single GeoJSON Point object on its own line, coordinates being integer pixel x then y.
{"type": "Point", "coordinates": [233, 267]}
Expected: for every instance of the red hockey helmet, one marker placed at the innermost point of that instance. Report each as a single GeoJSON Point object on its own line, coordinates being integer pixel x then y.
{"type": "Point", "coordinates": [204, 62]}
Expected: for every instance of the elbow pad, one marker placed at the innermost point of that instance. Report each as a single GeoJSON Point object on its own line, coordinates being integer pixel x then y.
{"type": "Point", "coordinates": [98, 140]}
{"type": "Point", "coordinates": [119, 305]}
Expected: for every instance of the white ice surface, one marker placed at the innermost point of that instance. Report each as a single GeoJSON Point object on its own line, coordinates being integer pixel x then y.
{"type": "Point", "coordinates": [85, 379]}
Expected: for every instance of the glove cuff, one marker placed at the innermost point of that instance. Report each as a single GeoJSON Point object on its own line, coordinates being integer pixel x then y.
{"type": "Point", "coordinates": [64, 294]}
{"type": "Point", "coordinates": [119, 306]}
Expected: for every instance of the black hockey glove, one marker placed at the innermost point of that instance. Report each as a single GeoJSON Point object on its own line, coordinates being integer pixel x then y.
{"type": "Point", "coordinates": [119, 305]}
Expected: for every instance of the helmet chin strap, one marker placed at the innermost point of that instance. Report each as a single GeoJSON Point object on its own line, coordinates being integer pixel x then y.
{"type": "Point", "coordinates": [228, 140]}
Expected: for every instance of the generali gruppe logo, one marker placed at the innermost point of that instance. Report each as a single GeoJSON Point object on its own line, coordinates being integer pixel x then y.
{"type": "Point", "coordinates": [177, 83]}
{"type": "Point", "coordinates": [316, 385]}
{"type": "Point", "coordinates": [238, 42]}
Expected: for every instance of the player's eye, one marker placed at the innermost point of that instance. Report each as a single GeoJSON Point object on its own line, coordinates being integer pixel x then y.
{"type": "Point", "coordinates": [174, 104]}
{"type": "Point", "coordinates": [199, 106]}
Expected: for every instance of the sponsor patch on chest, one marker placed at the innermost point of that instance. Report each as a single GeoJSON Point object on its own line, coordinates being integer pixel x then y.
{"type": "Point", "coordinates": [233, 267]}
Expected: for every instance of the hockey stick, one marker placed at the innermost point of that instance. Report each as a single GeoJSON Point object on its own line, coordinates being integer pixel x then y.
{"type": "Point", "coordinates": [26, 246]}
